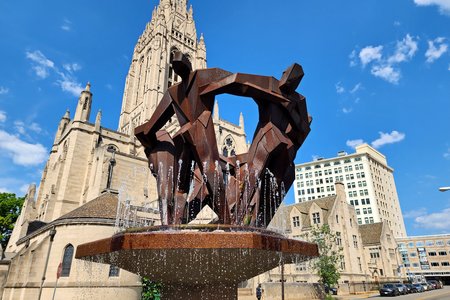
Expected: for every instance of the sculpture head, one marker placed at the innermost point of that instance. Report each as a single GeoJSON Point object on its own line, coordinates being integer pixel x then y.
{"type": "Point", "coordinates": [181, 65]}
{"type": "Point", "coordinates": [291, 78]}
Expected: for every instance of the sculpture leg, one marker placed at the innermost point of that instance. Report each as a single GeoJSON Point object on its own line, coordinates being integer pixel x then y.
{"type": "Point", "coordinates": [161, 158]}
{"type": "Point", "coordinates": [207, 157]}
{"type": "Point", "coordinates": [265, 154]}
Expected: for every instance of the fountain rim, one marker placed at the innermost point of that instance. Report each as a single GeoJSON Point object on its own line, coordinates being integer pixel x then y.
{"type": "Point", "coordinates": [201, 236]}
{"type": "Point", "coordinates": [201, 228]}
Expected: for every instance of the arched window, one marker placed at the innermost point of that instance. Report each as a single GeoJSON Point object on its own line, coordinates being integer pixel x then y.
{"type": "Point", "coordinates": [172, 77]}
{"type": "Point", "coordinates": [229, 148]}
{"type": "Point", "coordinates": [67, 260]}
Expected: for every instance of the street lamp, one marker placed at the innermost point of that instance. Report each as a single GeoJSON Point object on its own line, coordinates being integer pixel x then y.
{"type": "Point", "coordinates": [444, 188]}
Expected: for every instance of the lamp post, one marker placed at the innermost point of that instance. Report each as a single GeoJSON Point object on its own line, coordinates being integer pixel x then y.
{"type": "Point", "coordinates": [444, 188]}
{"type": "Point", "coordinates": [52, 234]}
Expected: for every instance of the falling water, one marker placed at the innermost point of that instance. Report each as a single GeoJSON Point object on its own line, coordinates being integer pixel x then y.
{"type": "Point", "coordinates": [238, 184]}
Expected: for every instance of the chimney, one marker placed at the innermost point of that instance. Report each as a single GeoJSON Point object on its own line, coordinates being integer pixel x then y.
{"type": "Point", "coordinates": [340, 190]}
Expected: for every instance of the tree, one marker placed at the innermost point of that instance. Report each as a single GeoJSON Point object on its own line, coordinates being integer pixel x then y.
{"type": "Point", "coordinates": [150, 289]}
{"type": "Point", "coordinates": [327, 264]}
{"type": "Point", "coordinates": [10, 207]}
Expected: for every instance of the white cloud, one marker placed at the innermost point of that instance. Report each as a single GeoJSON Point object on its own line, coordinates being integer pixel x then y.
{"type": "Point", "coordinates": [70, 85]}
{"type": "Point", "coordinates": [444, 5]}
{"type": "Point", "coordinates": [3, 90]}
{"type": "Point", "coordinates": [412, 214]}
{"type": "Point", "coordinates": [397, 23]}
{"type": "Point", "coordinates": [20, 127]}
{"type": "Point", "coordinates": [67, 25]}
{"type": "Point", "coordinates": [388, 138]}
{"type": "Point", "coordinates": [439, 220]}
{"type": "Point", "coordinates": [356, 88]}
{"type": "Point", "coordinates": [353, 59]}
{"type": "Point", "coordinates": [66, 81]}
{"type": "Point", "coordinates": [447, 154]}
{"type": "Point", "coordinates": [435, 51]}
{"type": "Point", "coordinates": [386, 72]}
{"type": "Point", "coordinates": [41, 65]}
{"type": "Point", "coordinates": [404, 50]}
{"type": "Point", "coordinates": [73, 67]}
{"type": "Point", "coordinates": [387, 66]}
{"type": "Point", "coordinates": [369, 54]}
{"type": "Point", "coordinates": [21, 152]}
{"type": "Point", "coordinates": [35, 127]}
{"type": "Point", "coordinates": [339, 88]}
{"type": "Point", "coordinates": [346, 110]}
{"type": "Point", "coordinates": [354, 143]}
{"type": "Point", "coordinates": [2, 116]}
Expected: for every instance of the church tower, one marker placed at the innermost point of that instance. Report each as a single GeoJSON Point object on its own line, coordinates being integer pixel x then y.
{"type": "Point", "coordinates": [171, 28]}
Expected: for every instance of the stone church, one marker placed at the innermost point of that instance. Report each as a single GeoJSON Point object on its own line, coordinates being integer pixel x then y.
{"type": "Point", "coordinates": [96, 178]}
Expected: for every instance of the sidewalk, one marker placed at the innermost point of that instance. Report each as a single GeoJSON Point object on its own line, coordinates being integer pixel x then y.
{"type": "Point", "coordinates": [358, 296]}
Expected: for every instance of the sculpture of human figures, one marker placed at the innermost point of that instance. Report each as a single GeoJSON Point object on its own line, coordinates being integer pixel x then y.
{"type": "Point", "coordinates": [197, 136]}
{"type": "Point", "coordinates": [283, 126]}
{"type": "Point", "coordinates": [192, 154]}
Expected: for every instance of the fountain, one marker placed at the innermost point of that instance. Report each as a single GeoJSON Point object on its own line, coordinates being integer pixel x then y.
{"type": "Point", "coordinates": [195, 261]}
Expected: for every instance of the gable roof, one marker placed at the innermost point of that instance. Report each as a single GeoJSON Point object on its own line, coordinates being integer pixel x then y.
{"type": "Point", "coordinates": [279, 220]}
{"type": "Point", "coordinates": [371, 233]}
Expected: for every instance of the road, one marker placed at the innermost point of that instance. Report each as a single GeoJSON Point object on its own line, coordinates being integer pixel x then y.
{"type": "Point", "coordinates": [441, 294]}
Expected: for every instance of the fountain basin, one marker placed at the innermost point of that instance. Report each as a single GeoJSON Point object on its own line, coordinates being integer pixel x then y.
{"type": "Point", "coordinates": [197, 262]}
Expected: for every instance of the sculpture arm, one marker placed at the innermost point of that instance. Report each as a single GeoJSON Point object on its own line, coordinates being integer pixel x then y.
{"type": "Point", "coordinates": [247, 85]}
{"type": "Point", "coordinates": [146, 133]}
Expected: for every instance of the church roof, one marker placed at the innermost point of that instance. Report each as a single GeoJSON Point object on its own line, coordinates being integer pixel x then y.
{"type": "Point", "coordinates": [102, 207]}
{"type": "Point", "coordinates": [371, 233]}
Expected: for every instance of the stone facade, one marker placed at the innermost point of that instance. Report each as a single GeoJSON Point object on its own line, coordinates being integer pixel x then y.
{"type": "Point", "coordinates": [360, 267]}
{"type": "Point", "coordinates": [89, 162]}
{"type": "Point", "coordinates": [381, 252]}
{"type": "Point", "coordinates": [297, 220]}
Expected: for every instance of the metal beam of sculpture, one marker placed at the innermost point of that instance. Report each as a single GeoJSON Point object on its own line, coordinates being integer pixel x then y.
{"type": "Point", "coordinates": [245, 189]}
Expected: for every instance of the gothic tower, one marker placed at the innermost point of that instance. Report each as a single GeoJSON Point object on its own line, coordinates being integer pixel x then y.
{"type": "Point", "coordinates": [171, 28]}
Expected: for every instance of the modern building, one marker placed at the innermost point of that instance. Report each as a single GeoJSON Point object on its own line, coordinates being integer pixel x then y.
{"type": "Point", "coordinates": [94, 174]}
{"type": "Point", "coordinates": [425, 257]}
{"type": "Point", "coordinates": [368, 180]}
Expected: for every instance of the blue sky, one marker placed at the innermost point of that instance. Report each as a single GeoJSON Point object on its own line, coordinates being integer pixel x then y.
{"type": "Point", "coordinates": [376, 71]}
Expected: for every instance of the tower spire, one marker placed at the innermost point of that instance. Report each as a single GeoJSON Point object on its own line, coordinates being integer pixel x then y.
{"type": "Point", "coordinates": [83, 111]}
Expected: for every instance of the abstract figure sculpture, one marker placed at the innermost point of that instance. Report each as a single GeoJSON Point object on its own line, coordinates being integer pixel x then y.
{"type": "Point", "coordinates": [242, 190]}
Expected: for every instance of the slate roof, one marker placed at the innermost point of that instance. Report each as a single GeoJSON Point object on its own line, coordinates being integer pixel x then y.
{"type": "Point", "coordinates": [371, 233]}
{"type": "Point", "coordinates": [326, 204]}
{"type": "Point", "coordinates": [102, 207]}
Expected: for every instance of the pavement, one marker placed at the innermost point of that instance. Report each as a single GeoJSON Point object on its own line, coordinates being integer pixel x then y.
{"type": "Point", "coordinates": [358, 296]}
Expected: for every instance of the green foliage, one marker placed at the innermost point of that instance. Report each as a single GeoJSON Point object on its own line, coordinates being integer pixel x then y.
{"type": "Point", "coordinates": [329, 297]}
{"type": "Point", "coordinates": [10, 207]}
{"type": "Point", "coordinates": [150, 290]}
{"type": "Point", "coordinates": [327, 265]}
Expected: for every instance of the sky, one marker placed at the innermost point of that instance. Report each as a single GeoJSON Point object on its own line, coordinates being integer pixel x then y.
{"type": "Point", "coordinates": [376, 71]}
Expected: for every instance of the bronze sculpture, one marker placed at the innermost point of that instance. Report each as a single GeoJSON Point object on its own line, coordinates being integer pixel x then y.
{"type": "Point", "coordinates": [193, 155]}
